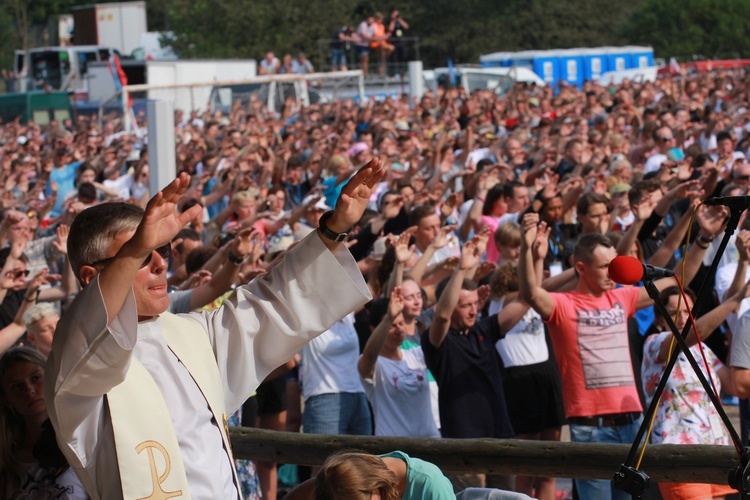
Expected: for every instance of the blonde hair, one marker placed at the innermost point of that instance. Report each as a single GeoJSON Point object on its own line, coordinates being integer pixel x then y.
{"type": "Point", "coordinates": [355, 476]}
{"type": "Point", "coordinates": [250, 194]}
{"type": "Point", "coordinates": [508, 234]}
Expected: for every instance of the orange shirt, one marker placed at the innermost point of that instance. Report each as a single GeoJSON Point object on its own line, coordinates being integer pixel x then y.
{"type": "Point", "coordinates": [378, 31]}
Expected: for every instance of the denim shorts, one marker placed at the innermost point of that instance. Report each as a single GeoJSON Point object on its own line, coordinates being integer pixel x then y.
{"type": "Point", "coordinates": [338, 58]}
{"type": "Point", "coordinates": [337, 413]}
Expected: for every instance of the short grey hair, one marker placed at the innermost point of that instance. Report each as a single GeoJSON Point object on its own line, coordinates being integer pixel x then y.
{"type": "Point", "coordinates": [39, 311]}
{"type": "Point", "coordinates": [93, 231]}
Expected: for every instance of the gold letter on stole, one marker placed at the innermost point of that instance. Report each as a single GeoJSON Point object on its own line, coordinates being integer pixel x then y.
{"type": "Point", "coordinates": [157, 493]}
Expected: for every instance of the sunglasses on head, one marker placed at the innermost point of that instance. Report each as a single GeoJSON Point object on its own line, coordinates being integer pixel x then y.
{"type": "Point", "coordinates": [163, 251]}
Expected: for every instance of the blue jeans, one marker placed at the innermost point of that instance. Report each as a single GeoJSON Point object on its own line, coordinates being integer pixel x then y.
{"type": "Point", "coordinates": [602, 489]}
{"type": "Point", "coordinates": [339, 413]}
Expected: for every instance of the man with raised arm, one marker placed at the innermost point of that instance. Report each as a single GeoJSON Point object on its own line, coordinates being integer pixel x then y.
{"type": "Point", "coordinates": [589, 331]}
{"type": "Point", "coordinates": [138, 397]}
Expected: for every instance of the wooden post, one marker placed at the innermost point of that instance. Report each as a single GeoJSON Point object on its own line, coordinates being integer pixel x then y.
{"type": "Point", "coordinates": [663, 463]}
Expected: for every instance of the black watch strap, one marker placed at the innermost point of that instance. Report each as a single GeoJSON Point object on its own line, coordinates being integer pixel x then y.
{"type": "Point", "coordinates": [326, 231]}
{"type": "Point", "coordinates": [234, 259]}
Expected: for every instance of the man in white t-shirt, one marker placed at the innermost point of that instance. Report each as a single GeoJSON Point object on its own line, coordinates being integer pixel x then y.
{"type": "Point", "coordinates": [665, 141]}
{"type": "Point", "coordinates": [269, 65]}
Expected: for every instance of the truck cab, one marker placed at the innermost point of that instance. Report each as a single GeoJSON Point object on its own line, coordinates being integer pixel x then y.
{"type": "Point", "coordinates": [59, 68]}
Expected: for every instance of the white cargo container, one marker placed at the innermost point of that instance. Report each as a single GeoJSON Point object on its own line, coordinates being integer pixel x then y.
{"type": "Point", "coordinates": [119, 25]}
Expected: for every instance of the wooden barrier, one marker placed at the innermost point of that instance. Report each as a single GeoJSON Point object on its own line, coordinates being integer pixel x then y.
{"type": "Point", "coordinates": [663, 463]}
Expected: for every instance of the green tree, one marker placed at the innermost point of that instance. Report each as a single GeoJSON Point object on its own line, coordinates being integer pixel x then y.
{"type": "Point", "coordinates": [688, 28]}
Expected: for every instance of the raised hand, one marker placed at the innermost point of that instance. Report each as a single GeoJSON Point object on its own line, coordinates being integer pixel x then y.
{"type": "Point", "coordinates": [470, 254]}
{"type": "Point", "coordinates": [743, 245]}
{"type": "Point", "coordinates": [485, 269]}
{"type": "Point", "coordinates": [482, 239]}
{"type": "Point", "coordinates": [483, 294]}
{"type": "Point", "coordinates": [161, 222]}
{"type": "Point", "coordinates": [242, 243]}
{"type": "Point", "coordinates": [61, 243]}
{"type": "Point", "coordinates": [644, 208]}
{"type": "Point", "coordinates": [396, 304]}
{"type": "Point", "coordinates": [355, 196]}
{"type": "Point", "coordinates": [449, 205]}
{"type": "Point", "coordinates": [529, 230]}
{"type": "Point", "coordinates": [443, 237]}
{"type": "Point", "coordinates": [404, 251]}
{"type": "Point", "coordinates": [711, 220]}
{"type": "Point", "coordinates": [540, 246]}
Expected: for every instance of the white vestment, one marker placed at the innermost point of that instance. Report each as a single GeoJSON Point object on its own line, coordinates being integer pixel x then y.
{"type": "Point", "coordinates": [267, 322]}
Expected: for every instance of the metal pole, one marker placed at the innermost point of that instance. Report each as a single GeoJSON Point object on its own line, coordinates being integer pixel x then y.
{"type": "Point", "coordinates": [161, 144]}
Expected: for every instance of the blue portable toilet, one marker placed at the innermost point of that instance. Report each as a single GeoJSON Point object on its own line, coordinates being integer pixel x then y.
{"type": "Point", "coordinates": [546, 65]}
{"type": "Point", "coordinates": [594, 63]}
{"type": "Point", "coordinates": [641, 57]}
{"type": "Point", "coordinates": [496, 60]}
{"type": "Point", "coordinates": [618, 58]}
{"type": "Point", "coordinates": [523, 59]}
{"type": "Point", "coordinates": [571, 66]}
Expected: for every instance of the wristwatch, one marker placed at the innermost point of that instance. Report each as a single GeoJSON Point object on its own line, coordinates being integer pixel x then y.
{"type": "Point", "coordinates": [235, 259]}
{"type": "Point", "coordinates": [331, 235]}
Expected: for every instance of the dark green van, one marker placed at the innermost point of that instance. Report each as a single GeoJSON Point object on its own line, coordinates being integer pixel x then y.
{"type": "Point", "coordinates": [38, 106]}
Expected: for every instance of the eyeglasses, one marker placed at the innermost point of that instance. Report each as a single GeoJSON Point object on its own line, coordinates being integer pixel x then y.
{"type": "Point", "coordinates": [163, 252]}
{"type": "Point", "coordinates": [666, 139]}
{"type": "Point", "coordinates": [742, 178]}
{"type": "Point", "coordinates": [17, 274]}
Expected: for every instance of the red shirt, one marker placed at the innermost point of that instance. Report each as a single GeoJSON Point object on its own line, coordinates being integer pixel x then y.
{"type": "Point", "coordinates": [590, 336]}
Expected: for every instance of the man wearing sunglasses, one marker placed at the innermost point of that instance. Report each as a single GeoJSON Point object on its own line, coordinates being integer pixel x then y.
{"type": "Point", "coordinates": [139, 397]}
{"type": "Point", "coordinates": [664, 139]}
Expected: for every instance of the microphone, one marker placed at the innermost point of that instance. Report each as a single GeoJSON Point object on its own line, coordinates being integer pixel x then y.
{"type": "Point", "coordinates": [733, 202]}
{"type": "Point", "coordinates": [626, 270]}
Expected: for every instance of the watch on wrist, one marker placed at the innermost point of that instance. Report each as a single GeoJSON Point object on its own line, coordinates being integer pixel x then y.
{"type": "Point", "coordinates": [705, 239]}
{"type": "Point", "coordinates": [234, 259]}
{"type": "Point", "coordinates": [326, 231]}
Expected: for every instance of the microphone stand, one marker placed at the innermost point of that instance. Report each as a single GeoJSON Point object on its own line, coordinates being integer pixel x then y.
{"type": "Point", "coordinates": [634, 481]}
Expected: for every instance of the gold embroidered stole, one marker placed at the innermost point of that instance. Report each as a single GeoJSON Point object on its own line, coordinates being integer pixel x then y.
{"type": "Point", "coordinates": [148, 454]}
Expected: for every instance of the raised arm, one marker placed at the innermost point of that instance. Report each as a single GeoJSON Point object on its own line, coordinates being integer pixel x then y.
{"type": "Point", "coordinates": [12, 332]}
{"type": "Point", "coordinates": [419, 270]}
{"type": "Point", "coordinates": [222, 280]}
{"type": "Point", "coordinates": [160, 223]}
{"type": "Point", "coordinates": [711, 221]}
{"type": "Point", "coordinates": [353, 201]}
{"type": "Point", "coordinates": [536, 296]}
{"type": "Point", "coordinates": [514, 311]}
{"type": "Point", "coordinates": [743, 250]}
{"type": "Point", "coordinates": [709, 322]}
{"type": "Point", "coordinates": [369, 357]}
{"type": "Point", "coordinates": [448, 301]}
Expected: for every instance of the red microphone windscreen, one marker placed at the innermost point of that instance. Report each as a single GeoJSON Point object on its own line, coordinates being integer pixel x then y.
{"type": "Point", "coordinates": [625, 270]}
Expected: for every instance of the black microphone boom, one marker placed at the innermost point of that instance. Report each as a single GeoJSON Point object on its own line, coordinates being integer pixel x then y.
{"type": "Point", "coordinates": [733, 202]}
{"type": "Point", "coordinates": [651, 273]}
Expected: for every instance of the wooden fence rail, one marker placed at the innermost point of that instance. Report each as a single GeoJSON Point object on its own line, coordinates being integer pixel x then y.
{"type": "Point", "coordinates": [663, 463]}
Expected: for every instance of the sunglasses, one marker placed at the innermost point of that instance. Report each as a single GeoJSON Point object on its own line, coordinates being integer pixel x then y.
{"type": "Point", "coordinates": [163, 251]}
{"type": "Point", "coordinates": [666, 139]}
{"type": "Point", "coordinates": [17, 274]}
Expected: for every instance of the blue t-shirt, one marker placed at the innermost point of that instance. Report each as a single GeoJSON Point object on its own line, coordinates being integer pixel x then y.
{"type": "Point", "coordinates": [423, 479]}
{"type": "Point", "coordinates": [65, 178]}
{"type": "Point", "coordinates": [332, 191]}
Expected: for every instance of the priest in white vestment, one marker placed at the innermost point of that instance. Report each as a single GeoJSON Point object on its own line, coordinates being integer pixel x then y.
{"type": "Point", "coordinates": [138, 397]}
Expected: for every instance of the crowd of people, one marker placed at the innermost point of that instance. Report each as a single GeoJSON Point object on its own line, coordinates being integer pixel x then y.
{"type": "Point", "coordinates": [483, 231]}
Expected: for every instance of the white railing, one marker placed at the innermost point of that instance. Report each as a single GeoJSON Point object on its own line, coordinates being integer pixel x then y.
{"type": "Point", "coordinates": [301, 85]}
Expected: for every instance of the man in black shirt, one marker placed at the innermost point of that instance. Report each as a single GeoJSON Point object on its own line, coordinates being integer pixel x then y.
{"type": "Point", "coordinates": [460, 352]}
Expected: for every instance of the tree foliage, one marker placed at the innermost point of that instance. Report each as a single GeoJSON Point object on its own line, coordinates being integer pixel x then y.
{"type": "Point", "coordinates": [688, 28]}
{"type": "Point", "coordinates": [461, 30]}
